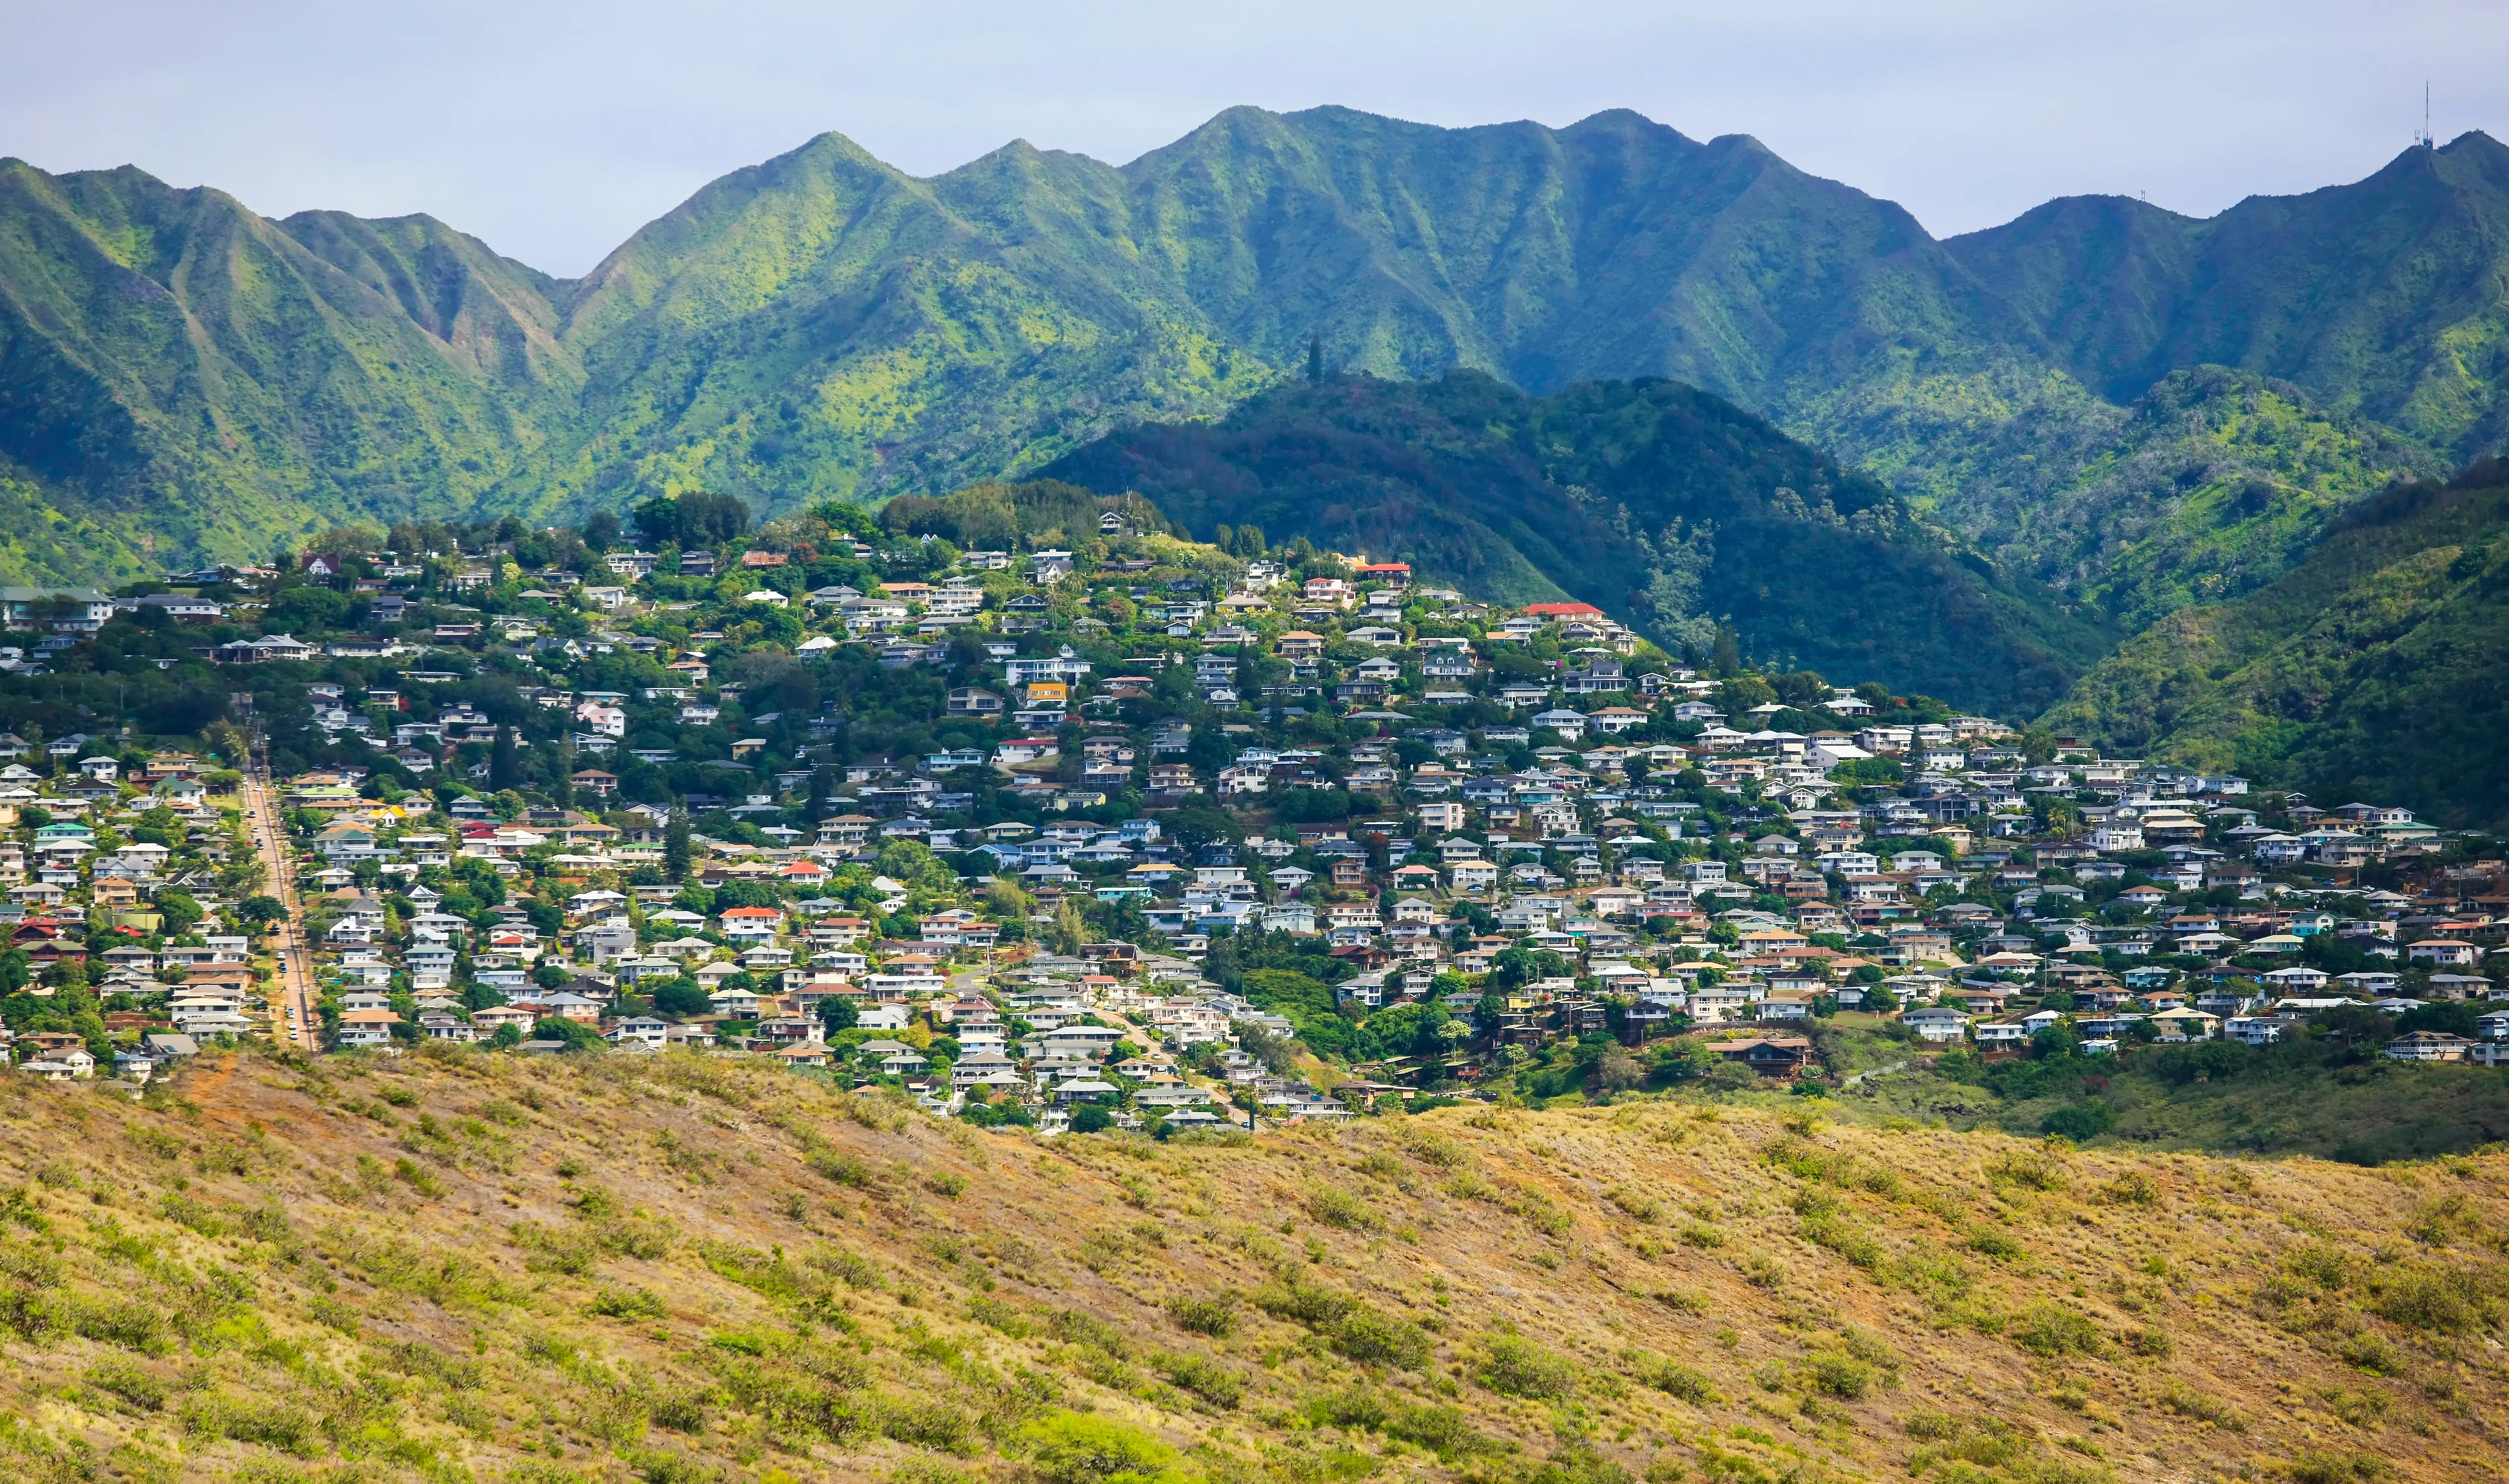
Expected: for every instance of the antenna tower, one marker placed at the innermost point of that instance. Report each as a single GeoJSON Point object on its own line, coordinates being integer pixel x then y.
{"type": "Point", "coordinates": [2426, 140]}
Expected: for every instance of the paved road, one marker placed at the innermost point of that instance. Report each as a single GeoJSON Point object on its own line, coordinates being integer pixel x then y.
{"type": "Point", "coordinates": [295, 982]}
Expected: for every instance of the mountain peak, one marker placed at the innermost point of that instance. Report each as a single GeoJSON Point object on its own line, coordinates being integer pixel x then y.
{"type": "Point", "coordinates": [1626, 125]}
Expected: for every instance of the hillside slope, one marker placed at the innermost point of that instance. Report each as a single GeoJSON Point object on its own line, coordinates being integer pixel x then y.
{"type": "Point", "coordinates": [825, 324]}
{"type": "Point", "coordinates": [2211, 485]}
{"type": "Point", "coordinates": [184, 376]}
{"type": "Point", "coordinates": [2382, 298]}
{"type": "Point", "coordinates": [2369, 669]}
{"type": "Point", "coordinates": [1672, 508]}
{"type": "Point", "coordinates": [682, 1269]}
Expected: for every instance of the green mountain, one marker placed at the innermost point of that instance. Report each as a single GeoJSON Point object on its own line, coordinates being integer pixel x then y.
{"type": "Point", "coordinates": [181, 373]}
{"type": "Point", "coordinates": [2383, 298]}
{"type": "Point", "coordinates": [2372, 669]}
{"type": "Point", "coordinates": [180, 376]}
{"type": "Point", "coordinates": [2212, 484]}
{"type": "Point", "coordinates": [824, 325]}
{"type": "Point", "coordinates": [1671, 507]}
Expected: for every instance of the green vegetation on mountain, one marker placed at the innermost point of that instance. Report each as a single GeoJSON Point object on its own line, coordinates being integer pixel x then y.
{"type": "Point", "coordinates": [2213, 484]}
{"type": "Point", "coordinates": [2370, 669]}
{"type": "Point", "coordinates": [1675, 509]}
{"type": "Point", "coordinates": [187, 380]}
{"type": "Point", "coordinates": [825, 325]}
{"type": "Point", "coordinates": [2382, 298]}
{"type": "Point", "coordinates": [39, 535]}
{"type": "Point", "coordinates": [184, 374]}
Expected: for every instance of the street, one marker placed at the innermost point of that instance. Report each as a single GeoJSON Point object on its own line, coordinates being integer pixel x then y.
{"type": "Point", "coordinates": [294, 986]}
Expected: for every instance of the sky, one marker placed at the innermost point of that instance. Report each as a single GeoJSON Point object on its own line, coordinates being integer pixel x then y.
{"type": "Point", "coordinates": [552, 130]}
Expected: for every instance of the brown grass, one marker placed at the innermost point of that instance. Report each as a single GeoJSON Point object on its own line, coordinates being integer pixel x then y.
{"type": "Point", "coordinates": [677, 1269]}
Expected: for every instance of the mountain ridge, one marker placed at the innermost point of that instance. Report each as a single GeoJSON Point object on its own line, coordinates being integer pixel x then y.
{"type": "Point", "coordinates": [2232, 258]}
{"type": "Point", "coordinates": [823, 326]}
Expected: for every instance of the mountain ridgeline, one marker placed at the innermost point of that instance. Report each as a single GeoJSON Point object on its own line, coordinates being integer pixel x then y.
{"type": "Point", "coordinates": [1669, 505]}
{"type": "Point", "coordinates": [180, 377]}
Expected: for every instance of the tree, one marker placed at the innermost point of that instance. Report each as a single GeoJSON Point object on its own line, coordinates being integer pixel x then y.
{"type": "Point", "coordinates": [180, 912]}
{"type": "Point", "coordinates": [681, 997]}
{"type": "Point", "coordinates": [1728, 1076]}
{"type": "Point", "coordinates": [1277, 1051]}
{"type": "Point", "coordinates": [502, 773]}
{"type": "Point", "coordinates": [1616, 1071]}
{"type": "Point", "coordinates": [1006, 902]}
{"type": "Point", "coordinates": [2081, 1121]}
{"type": "Point", "coordinates": [675, 844]}
{"type": "Point", "coordinates": [912, 863]}
{"type": "Point", "coordinates": [578, 1036]}
{"type": "Point", "coordinates": [1070, 930]}
{"type": "Point", "coordinates": [601, 532]}
{"type": "Point", "coordinates": [1802, 689]}
{"type": "Point", "coordinates": [838, 1013]}
{"type": "Point", "coordinates": [1089, 1118]}
{"type": "Point", "coordinates": [1316, 357]}
{"type": "Point", "coordinates": [304, 609]}
{"type": "Point", "coordinates": [1515, 967]}
{"type": "Point", "coordinates": [695, 518]}
{"type": "Point", "coordinates": [1729, 651]}
{"type": "Point", "coordinates": [1743, 692]}
{"type": "Point", "coordinates": [745, 894]}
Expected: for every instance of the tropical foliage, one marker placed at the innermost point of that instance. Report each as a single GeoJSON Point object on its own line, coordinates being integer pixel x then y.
{"type": "Point", "coordinates": [2370, 669]}
{"type": "Point", "coordinates": [183, 377]}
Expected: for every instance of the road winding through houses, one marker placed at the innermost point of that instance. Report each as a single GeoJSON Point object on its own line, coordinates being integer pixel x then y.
{"type": "Point", "coordinates": [295, 978]}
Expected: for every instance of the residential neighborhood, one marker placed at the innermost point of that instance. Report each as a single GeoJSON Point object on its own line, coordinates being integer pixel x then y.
{"type": "Point", "coordinates": [1117, 830]}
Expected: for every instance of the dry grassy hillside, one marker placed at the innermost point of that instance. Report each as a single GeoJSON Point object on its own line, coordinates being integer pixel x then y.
{"type": "Point", "coordinates": [676, 1270]}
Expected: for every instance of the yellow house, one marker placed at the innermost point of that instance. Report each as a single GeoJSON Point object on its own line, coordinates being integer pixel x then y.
{"type": "Point", "coordinates": [1046, 693]}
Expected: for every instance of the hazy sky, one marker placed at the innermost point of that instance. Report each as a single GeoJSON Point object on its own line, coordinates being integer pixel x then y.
{"type": "Point", "coordinates": [553, 130]}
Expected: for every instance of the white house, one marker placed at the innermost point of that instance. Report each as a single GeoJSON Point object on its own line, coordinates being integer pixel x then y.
{"type": "Point", "coordinates": [1936, 1022]}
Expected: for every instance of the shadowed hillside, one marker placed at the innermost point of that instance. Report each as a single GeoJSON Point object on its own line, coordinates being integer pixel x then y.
{"type": "Point", "coordinates": [1673, 508]}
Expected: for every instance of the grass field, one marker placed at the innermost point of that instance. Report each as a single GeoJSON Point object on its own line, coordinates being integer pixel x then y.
{"type": "Point", "coordinates": [674, 1269]}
